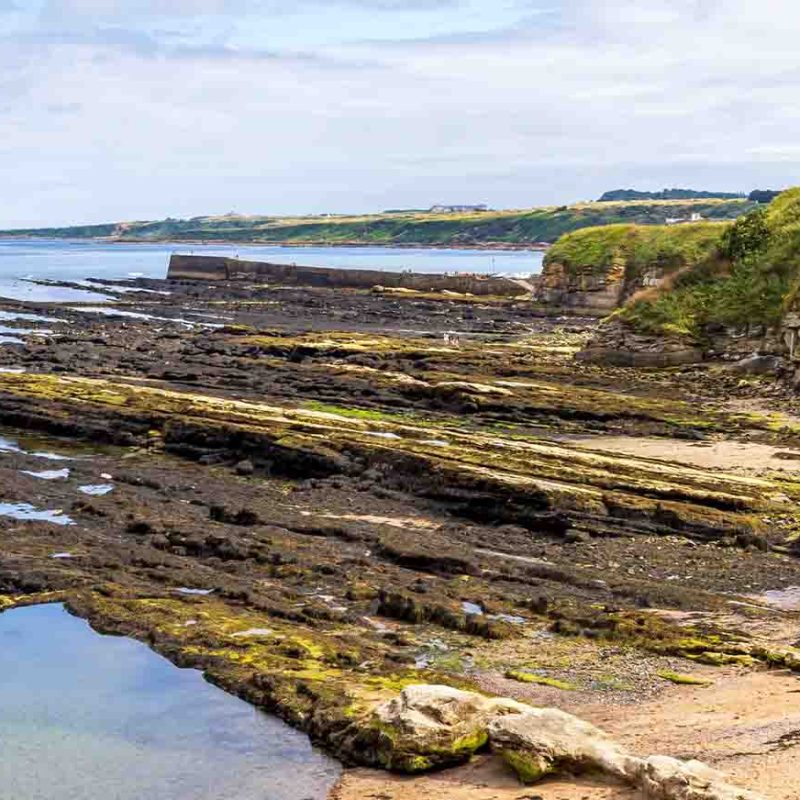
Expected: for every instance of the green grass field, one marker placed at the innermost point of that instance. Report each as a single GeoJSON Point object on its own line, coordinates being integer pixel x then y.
{"type": "Point", "coordinates": [522, 228]}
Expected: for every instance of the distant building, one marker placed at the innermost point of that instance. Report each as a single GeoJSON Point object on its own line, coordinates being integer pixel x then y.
{"type": "Point", "coordinates": [695, 217]}
{"type": "Point", "coordinates": [442, 209]}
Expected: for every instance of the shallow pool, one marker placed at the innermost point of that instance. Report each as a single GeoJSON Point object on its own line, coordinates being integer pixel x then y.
{"type": "Point", "coordinates": [90, 717]}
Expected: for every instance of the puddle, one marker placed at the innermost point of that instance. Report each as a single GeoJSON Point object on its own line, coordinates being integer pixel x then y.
{"type": "Point", "coordinates": [96, 490]}
{"type": "Point", "coordinates": [26, 512]}
{"type": "Point", "coordinates": [61, 556]}
{"type": "Point", "coordinates": [330, 601]}
{"type": "Point", "coordinates": [28, 290]}
{"type": "Point", "coordinates": [48, 474]}
{"type": "Point", "coordinates": [48, 456]}
{"type": "Point", "coordinates": [472, 609]}
{"type": "Point", "coordinates": [15, 332]}
{"type": "Point", "coordinates": [118, 312]}
{"type": "Point", "coordinates": [8, 445]}
{"type": "Point", "coordinates": [19, 316]}
{"type": "Point", "coordinates": [10, 340]}
{"type": "Point", "coordinates": [510, 557]}
{"type": "Point", "coordinates": [206, 315]}
{"type": "Point", "coordinates": [509, 618]}
{"type": "Point", "coordinates": [91, 716]}
{"type": "Point", "coordinates": [382, 434]}
{"type": "Point", "coordinates": [431, 650]}
{"type": "Point", "coordinates": [199, 592]}
{"type": "Point", "coordinates": [784, 599]}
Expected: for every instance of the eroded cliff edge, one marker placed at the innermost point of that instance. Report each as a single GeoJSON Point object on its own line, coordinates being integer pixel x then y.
{"type": "Point", "coordinates": [685, 293]}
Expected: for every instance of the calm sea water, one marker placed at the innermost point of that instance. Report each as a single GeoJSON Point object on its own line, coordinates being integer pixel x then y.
{"type": "Point", "coordinates": [87, 716]}
{"type": "Point", "coordinates": [65, 260]}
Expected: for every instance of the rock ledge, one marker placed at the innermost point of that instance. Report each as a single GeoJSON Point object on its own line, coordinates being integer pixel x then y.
{"type": "Point", "coordinates": [429, 727]}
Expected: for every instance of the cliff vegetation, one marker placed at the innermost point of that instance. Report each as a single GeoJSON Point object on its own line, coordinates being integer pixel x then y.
{"type": "Point", "coordinates": [637, 248]}
{"type": "Point", "coordinates": [750, 277]}
{"type": "Point", "coordinates": [511, 228]}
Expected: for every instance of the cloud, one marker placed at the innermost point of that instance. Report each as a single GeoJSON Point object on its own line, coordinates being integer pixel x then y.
{"type": "Point", "coordinates": [234, 104]}
{"type": "Point", "coordinates": [116, 9]}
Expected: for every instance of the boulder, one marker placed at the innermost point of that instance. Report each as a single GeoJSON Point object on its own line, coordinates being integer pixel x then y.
{"type": "Point", "coordinates": [245, 467]}
{"type": "Point", "coordinates": [542, 741]}
{"type": "Point", "coordinates": [757, 365]}
{"type": "Point", "coordinates": [663, 778]}
{"type": "Point", "coordinates": [431, 726]}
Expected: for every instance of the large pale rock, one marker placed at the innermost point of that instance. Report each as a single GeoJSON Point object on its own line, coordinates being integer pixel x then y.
{"type": "Point", "coordinates": [432, 726]}
{"type": "Point", "coordinates": [436, 726]}
{"type": "Point", "coordinates": [663, 778]}
{"type": "Point", "coordinates": [541, 741]}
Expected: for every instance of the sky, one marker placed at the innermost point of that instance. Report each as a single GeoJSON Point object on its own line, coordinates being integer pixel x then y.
{"type": "Point", "coordinates": [141, 109]}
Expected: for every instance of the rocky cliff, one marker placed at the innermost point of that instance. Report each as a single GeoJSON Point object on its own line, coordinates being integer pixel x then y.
{"type": "Point", "coordinates": [736, 293]}
{"type": "Point", "coordinates": [598, 269]}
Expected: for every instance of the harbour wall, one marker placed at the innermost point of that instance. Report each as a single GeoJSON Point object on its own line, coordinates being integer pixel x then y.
{"type": "Point", "coordinates": [218, 268]}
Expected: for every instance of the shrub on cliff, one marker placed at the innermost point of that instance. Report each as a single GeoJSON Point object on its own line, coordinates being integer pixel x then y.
{"type": "Point", "coordinates": [749, 282]}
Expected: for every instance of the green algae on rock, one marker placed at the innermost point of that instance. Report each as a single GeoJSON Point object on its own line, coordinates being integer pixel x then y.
{"type": "Point", "coordinates": [337, 507]}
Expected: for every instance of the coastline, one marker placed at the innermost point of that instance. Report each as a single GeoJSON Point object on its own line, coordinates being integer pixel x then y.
{"type": "Point", "coordinates": [325, 470]}
{"type": "Point", "coordinates": [478, 246]}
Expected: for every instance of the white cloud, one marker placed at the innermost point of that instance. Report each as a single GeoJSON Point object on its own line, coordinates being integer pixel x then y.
{"type": "Point", "coordinates": [563, 100]}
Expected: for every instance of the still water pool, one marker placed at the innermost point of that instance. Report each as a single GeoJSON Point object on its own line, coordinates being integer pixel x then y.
{"type": "Point", "coordinates": [90, 717]}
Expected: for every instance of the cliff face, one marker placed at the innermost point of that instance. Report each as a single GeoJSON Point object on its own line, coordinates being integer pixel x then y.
{"type": "Point", "coordinates": [741, 297]}
{"type": "Point", "coordinates": [581, 288]}
{"type": "Point", "coordinates": [598, 269]}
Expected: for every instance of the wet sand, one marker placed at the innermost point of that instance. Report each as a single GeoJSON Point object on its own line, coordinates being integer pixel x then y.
{"type": "Point", "coordinates": [746, 725]}
{"type": "Point", "coordinates": [724, 455]}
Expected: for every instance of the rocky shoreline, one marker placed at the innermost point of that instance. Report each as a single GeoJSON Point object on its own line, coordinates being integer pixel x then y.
{"type": "Point", "coordinates": [322, 497]}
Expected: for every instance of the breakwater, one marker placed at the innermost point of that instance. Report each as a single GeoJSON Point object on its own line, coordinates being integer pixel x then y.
{"type": "Point", "coordinates": [218, 268]}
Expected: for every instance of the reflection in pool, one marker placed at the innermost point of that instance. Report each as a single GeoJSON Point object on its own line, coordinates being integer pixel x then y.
{"type": "Point", "coordinates": [21, 316]}
{"type": "Point", "coordinates": [85, 717]}
{"type": "Point", "coordinates": [11, 330]}
{"type": "Point", "coordinates": [25, 512]}
{"type": "Point", "coordinates": [9, 445]}
{"type": "Point", "coordinates": [48, 474]}
{"type": "Point", "coordinates": [96, 490]}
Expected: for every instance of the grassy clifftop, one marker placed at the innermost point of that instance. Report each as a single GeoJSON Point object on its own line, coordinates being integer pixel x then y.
{"type": "Point", "coordinates": [750, 278]}
{"type": "Point", "coordinates": [636, 249]}
{"type": "Point", "coordinates": [513, 228]}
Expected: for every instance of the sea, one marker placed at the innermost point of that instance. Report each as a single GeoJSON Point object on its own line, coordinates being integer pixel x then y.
{"type": "Point", "coordinates": [24, 261]}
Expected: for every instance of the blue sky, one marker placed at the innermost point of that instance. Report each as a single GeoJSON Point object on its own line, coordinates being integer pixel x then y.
{"type": "Point", "coordinates": [133, 109]}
